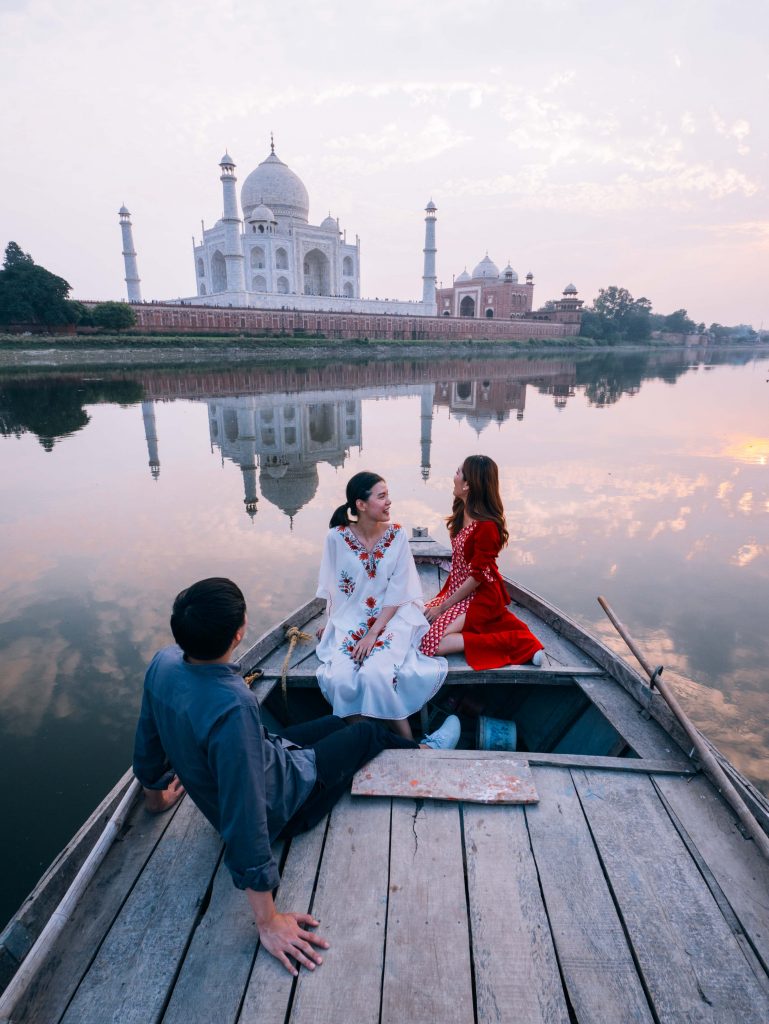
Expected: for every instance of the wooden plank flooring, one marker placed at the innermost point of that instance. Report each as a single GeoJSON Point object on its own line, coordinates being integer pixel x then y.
{"type": "Point", "coordinates": [621, 896]}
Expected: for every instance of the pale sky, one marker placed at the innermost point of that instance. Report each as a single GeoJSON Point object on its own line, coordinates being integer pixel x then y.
{"type": "Point", "coordinates": [595, 141]}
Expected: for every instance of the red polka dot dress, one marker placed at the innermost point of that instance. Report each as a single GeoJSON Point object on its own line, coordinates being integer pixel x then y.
{"type": "Point", "coordinates": [493, 635]}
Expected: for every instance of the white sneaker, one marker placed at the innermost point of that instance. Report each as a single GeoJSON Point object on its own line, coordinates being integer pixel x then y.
{"type": "Point", "coordinates": [538, 658]}
{"type": "Point", "coordinates": [445, 738]}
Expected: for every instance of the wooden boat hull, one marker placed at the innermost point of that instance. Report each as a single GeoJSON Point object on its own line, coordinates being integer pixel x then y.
{"type": "Point", "coordinates": [626, 893]}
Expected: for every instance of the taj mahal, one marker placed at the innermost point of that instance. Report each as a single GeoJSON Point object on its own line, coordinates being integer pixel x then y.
{"type": "Point", "coordinates": [264, 254]}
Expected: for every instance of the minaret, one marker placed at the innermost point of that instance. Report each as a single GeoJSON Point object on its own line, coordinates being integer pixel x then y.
{"type": "Point", "coordinates": [132, 278]}
{"type": "Point", "coordinates": [429, 278]}
{"type": "Point", "coordinates": [151, 436]}
{"type": "Point", "coordinates": [233, 250]}
{"type": "Point", "coordinates": [426, 420]}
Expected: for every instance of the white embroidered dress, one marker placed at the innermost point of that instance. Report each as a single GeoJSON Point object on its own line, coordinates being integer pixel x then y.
{"type": "Point", "coordinates": [395, 680]}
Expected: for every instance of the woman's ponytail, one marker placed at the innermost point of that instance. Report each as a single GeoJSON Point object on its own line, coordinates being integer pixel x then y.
{"type": "Point", "coordinates": [340, 517]}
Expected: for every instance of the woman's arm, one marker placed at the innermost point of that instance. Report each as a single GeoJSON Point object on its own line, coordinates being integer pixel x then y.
{"type": "Point", "coordinates": [468, 587]}
{"type": "Point", "coordinates": [365, 645]}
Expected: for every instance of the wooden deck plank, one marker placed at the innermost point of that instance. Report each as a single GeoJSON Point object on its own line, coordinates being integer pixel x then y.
{"type": "Point", "coordinates": [516, 973]}
{"type": "Point", "coordinates": [594, 733]}
{"type": "Point", "coordinates": [427, 976]}
{"type": "Point", "coordinates": [430, 578]}
{"type": "Point", "coordinates": [218, 963]}
{"type": "Point", "coordinates": [596, 963]}
{"type": "Point", "coordinates": [738, 868]}
{"type": "Point", "coordinates": [131, 976]}
{"type": "Point", "coordinates": [53, 986]}
{"type": "Point", "coordinates": [416, 774]}
{"type": "Point", "coordinates": [460, 674]}
{"type": "Point", "coordinates": [351, 903]}
{"type": "Point", "coordinates": [645, 736]}
{"type": "Point", "coordinates": [589, 761]}
{"type": "Point", "coordinates": [673, 921]}
{"type": "Point", "coordinates": [270, 987]}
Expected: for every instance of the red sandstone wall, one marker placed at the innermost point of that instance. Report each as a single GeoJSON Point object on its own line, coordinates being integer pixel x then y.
{"type": "Point", "coordinates": [189, 319]}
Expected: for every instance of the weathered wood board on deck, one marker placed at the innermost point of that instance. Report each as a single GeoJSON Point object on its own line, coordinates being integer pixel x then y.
{"type": "Point", "coordinates": [427, 975]}
{"type": "Point", "coordinates": [351, 904]}
{"type": "Point", "coordinates": [516, 972]}
{"type": "Point", "coordinates": [596, 963]}
{"type": "Point", "coordinates": [420, 774]}
{"type": "Point", "coordinates": [671, 918]}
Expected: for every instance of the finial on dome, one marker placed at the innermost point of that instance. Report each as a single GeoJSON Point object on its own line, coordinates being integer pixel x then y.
{"type": "Point", "coordinates": [272, 143]}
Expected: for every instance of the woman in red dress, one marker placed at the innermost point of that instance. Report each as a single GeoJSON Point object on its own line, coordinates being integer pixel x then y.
{"type": "Point", "coordinates": [470, 613]}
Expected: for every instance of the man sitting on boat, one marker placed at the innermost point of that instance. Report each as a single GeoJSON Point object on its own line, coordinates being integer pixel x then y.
{"type": "Point", "coordinates": [200, 730]}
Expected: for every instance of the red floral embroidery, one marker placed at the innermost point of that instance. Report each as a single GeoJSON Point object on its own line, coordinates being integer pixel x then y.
{"type": "Point", "coordinates": [370, 558]}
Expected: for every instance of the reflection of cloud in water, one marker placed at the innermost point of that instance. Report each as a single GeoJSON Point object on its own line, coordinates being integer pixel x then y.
{"type": "Point", "coordinates": [748, 553]}
{"type": "Point", "coordinates": [743, 448]}
{"type": "Point", "coordinates": [740, 730]}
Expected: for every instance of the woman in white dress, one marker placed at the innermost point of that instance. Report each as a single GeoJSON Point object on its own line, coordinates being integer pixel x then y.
{"type": "Point", "coordinates": [370, 663]}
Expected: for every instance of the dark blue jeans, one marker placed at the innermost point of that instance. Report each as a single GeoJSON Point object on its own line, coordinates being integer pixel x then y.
{"type": "Point", "coordinates": [340, 750]}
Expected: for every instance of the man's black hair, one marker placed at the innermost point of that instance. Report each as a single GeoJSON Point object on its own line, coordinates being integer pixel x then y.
{"type": "Point", "coordinates": [206, 617]}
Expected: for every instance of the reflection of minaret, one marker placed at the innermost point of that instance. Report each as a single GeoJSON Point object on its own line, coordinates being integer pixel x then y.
{"type": "Point", "coordinates": [247, 457]}
{"type": "Point", "coordinates": [150, 433]}
{"type": "Point", "coordinates": [426, 421]}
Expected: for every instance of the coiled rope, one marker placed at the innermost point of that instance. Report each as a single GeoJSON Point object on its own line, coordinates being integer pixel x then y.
{"type": "Point", "coordinates": [294, 635]}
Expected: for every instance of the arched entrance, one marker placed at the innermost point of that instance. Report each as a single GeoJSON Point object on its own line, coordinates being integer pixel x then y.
{"type": "Point", "coordinates": [218, 273]}
{"type": "Point", "coordinates": [467, 306]}
{"type": "Point", "coordinates": [489, 314]}
{"type": "Point", "coordinates": [316, 273]}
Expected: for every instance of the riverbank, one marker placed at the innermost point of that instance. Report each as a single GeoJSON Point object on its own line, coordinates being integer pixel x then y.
{"type": "Point", "coordinates": [140, 351]}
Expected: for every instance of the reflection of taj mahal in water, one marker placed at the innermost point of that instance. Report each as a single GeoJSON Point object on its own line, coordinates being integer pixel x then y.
{"type": "Point", "coordinates": [278, 441]}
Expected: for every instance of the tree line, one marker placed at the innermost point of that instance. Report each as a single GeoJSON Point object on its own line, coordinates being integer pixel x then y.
{"type": "Point", "coordinates": [32, 296]}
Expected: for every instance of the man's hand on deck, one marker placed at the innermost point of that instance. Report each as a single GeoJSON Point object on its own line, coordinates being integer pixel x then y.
{"type": "Point", "coordinates": [158, 800]}
{"type": "Point", "coordinates": [286, 935]}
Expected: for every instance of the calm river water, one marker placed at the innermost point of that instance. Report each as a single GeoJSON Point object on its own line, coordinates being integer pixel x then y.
{"type": "Point", "coordinates": [640, 477]}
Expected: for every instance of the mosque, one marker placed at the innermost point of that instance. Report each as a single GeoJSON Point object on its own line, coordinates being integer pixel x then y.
{"type": "Point", "coordinates": [263, 253]}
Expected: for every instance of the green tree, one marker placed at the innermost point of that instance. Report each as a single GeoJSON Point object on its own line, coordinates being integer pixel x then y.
{"type": "Point", "coordinates": [622, 317]}
{"type": "Point", "coordinates": [30, 294]}
{"type": "Point", "coordinates": [679, 323]}
{"type": "Point", "coordinates": [113, 316]}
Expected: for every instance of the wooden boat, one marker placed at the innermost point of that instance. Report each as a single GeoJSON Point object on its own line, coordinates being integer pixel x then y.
{"type": "Point", "coordinates": [628, 892]}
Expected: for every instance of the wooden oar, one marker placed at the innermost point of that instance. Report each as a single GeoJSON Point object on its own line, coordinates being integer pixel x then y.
{"type": "Point", "coordinates": [61, 915]}
{"type": "Point", "coordinates": [710, 765]}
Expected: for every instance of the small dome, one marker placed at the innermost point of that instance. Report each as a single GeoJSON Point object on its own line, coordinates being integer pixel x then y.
{"type": "Point", "coordinates": [262, 213]}
{"type": "Point", "coordinates": [123, 211]}
{"type": "Point", "coordinates": [226, 161]}
{"type": "Point", "coordinates": [431, 206]}
{"type": "Point", "coordinates": [487, 269]}
{"type": "Point", "coordinates": [460, 278]}
{"type": "Point", "coordinates": [570, 290]}
{"type": "Point", "coordinates": [508, 274]}
{"type": "Point", "coordinates": [529, 276]}
{"type": "Point", "coordinates": [330, 224]}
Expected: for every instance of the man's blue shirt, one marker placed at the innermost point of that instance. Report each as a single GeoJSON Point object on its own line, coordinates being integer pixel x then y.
{"type": "Point", "coordinates": [202, 723]}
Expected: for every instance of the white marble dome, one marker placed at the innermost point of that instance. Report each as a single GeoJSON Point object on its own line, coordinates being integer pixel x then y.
{"type": "Point", "coordinates": [512, 274]}
{"type": "Point", "coordinates": [330, 224]}
{"type": "Point", "coordinates": [276, 186]}
{"type": "Point", "coordinates": [262, 213]}
{"type": "Point", "coordinates": [487, 268]}
{"type": "Point", "coordinates": [570, 290]}
{"type": "Point", "coordinates": [460, 278]}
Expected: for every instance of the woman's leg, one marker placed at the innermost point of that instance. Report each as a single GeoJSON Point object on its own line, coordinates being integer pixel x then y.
{"type": "Point", "coordinates": [452, 641]}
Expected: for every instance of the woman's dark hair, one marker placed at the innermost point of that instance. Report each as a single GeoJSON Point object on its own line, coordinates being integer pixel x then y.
{"type": "Point", "coordinates": [206, 617]}
{"type": "Point", "coordinates": [483, 499]}
{"type": "Point", "coordinates": [359, 487]}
